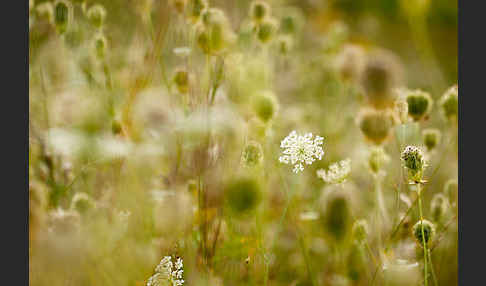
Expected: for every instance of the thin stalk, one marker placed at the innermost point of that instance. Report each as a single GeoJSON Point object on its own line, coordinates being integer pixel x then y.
{"type": "Point", "coordinates": [432, 268]}
{"type": "Point", "coordinates": [423, 234]}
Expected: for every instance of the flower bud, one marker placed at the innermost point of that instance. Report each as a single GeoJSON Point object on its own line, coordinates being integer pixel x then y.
{"type": "Point", "coordinates": [376, 125]}
{"type": "Point", "coordinates": [413, 160]}
{"type": "Point", "coordinates": [259, 10]}
{"type": "Point", "coordinates": [267, 30]}
{"type": "Point", "coordinates": [96, 15]}
{"type": "Point", "coordinates": [252, 154]}
{"type": "Point", "coordinates": [265, 105]}
{"type": "Point", "coordinates": [61, 16]}
{"type": "Point", "coordinates": [419, 104]}
{"type": "Point", "coordinates": [449, 103]}
{"type": "Point", "coordinates": [438, 207]}
{"type": "Point", "coordinates": [431, 138]}
{"type": "Point", "coordinates": [242, 195]}
{"type": "Point", "coordinates": [381, 73]}
{"type": "Point", "coordinates": [428, 230]}
{"type": "Point", "coordinates": [181, 80]}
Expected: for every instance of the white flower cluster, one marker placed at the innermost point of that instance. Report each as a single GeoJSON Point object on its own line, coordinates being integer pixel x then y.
{"type": "Point", "coordinates": [169, 272]}
{"type": "Point", "coordinates": [300, 149]}
{"type": "Point", "coordinates": [337, 173]}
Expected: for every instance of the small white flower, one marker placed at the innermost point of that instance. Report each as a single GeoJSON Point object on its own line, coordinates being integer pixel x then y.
{"type": "Point", "coordinates": [166, 271]}
{"type": "Point", "coordinates": [337, 173]}
{"type": "Point", "coordinates": [300, 149]}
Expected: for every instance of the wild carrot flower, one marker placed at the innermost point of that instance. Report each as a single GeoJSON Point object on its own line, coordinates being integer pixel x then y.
{"type": "Point", "coordinates": [299, 149]}
{"type": "Point", "coordinates": [337, 173]}
{"type": "Point", "coordinates": [167, 271]}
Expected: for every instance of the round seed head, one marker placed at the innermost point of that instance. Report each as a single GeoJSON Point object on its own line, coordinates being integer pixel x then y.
{"type": "Point", "coordinates": [376, 125]}
{"type": "Point", "coordinates": [428, 230]}
{"type": "Point", "coordinates": [288, 24]}
{"type": "Point", "coordinates": [419, 104]}
{"type": "Point", "coordinates": [267, 30]}
{"type": "Point", "coordinates": [61, 16]}
{"type": "Point", "coordinates": [431, 138]}
{"type": "Point", "coordinates": [377, 159]}
{"type": "Point", "coordinates": [96, 15]}
{"type": "Point", "coordinates": [181, 80]}
{"type": "Point", "coordinates": [45, 11]}
{"type": "Point", "coordinates": [265, 105]}
{"type": "Point", "coordinates": [259, 10]}
{"type": "Point", "coordinates": [215, 33]}
{"type": "Point", "coordinates": [360, 230]}
{"type": "Point", "coordinates": [242, 194]}
{"type": "Point", "coordinates": [439, 207]}
{"type": "Point", "coordinates": [252, 154]}
{"type": "Point", "coordinates": [413, 160]}
{"type": "Point", "coordinates": [337, 217]}
{"type": "Point", "coordinates": [449, 103]}
{"type": "Point", "coordinates": [82, 203]}
{"type": "Point", "coordinates": [381, 73]}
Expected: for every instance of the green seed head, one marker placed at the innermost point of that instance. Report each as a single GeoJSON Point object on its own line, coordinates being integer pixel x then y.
{"type": "Point", "coordinates": [196, 8]}
{"type": "Point", "coordinates": [413, 160]}
{"type": "Point", "coordinates": [288, 24]}
{"type": "Point", "coordinates": [431, 138]}
{"type": "Point", "coordinates": [377, 159]}
{"type": "Point", "coordinates": [215, 34]}
{"type": "Point", "coordinates": [45, 11]}
{"type": "Point", "coordinates": [360, 230]}
{"type": "Point", "coordinates": [381, 73]}
{"type": "Point", "coordinates": [419, 104]}
{"type": "Point", "coordinates": [100, 46]}
{"type": "Point", "coordinates": [265, 105]}
{"type": "Point", "coordinates": [252, 154]}
{"type": "Point", "coordinates": [96, 15]}
{"type": "Point", "coordinates": [267, 30]}
{"type": "Point", "coordinates": [242, 195]}
{"type": "Point", "coordinates": [259, 10]}
{"type": "Point", "coordinates": [337, 217]}
{"type": "Point", "coordinates": [439, 207]}
{"type": "Point", "coordinates": [181, 80]}
{"type": "Point", "coordinates": [82, 203]}
{"type": "Point", "coordinates": [428, 230]}
{"type": "Point", "coordinates": [376, 125]}
{"type": "Point", "coordinates": [61, 16]}
{"type": "Point", "coordinates": [449, 103]}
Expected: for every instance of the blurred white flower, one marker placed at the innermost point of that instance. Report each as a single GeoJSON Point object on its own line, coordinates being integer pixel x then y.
{"type": "Point", "coordinates": [166, 271]}
{"type": "Point", "coordinates": [299, 149]}
{"type": "Point", "coordinates": [337, 173]}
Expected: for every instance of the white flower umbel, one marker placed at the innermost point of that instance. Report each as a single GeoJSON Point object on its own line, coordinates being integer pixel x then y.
{"type": "Point", "coordinates": [337, 173]}
{"type": "Point", "coordinates": [300, 149]}
{"type": "Point", "coordinates": [167, 271]}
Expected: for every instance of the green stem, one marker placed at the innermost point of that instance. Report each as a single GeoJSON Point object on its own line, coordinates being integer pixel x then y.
{"type": "Point", "coordinates": [423, 234]}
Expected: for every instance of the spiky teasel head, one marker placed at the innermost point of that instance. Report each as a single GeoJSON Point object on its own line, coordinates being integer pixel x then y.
{"type": "Point", "coordinates": [242, 194]}
{"type": "Point", "coordinates": [381, 73]}
{"type": "Point", "coordinates": [419, 104]}
{"type": "Point", "coordinates": [100, 45]}
{"type": "Point", "coordinates": [413, 160]}
{"type": "Point", "coordinates": [96, 15]}
{"type": "Point", "coordinates": [179, 5]}
{"type": "Point", "coordinates": [439, 207]}
{"type": "Point", "coordinates": [449, 103]}
{"type": "Point", "coordinates": [259, 10]}
{"type": "Point", "coordinates": [62, 16]}
{"type": "Point", "coordinates": [181, 80]}
{"type": "Point", "coordinates": [45, 11]}
{"type": "Point", "coordinates": [428, 230]}
{"type": "Point", "coordinates": [431, 138]}
{"type": "Point", "coordinates": [267, 29]}
{"type": "Point", "coordinates": [82, 203]}
{"type": "Point", "coordinates": [252, 154]}
{"type": "Point", "coordinates": [265, 105]}
{"type": "Point", "coordinates": [377, 158]}
{"type": "Point", "coordinates": [360, 230]}
{"type": "Point", "coordinates": [350, 62]}
{"type": "Point", "coordinates": [376, 125]}
{"type": "Point", "coordinates": [196, 7]}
